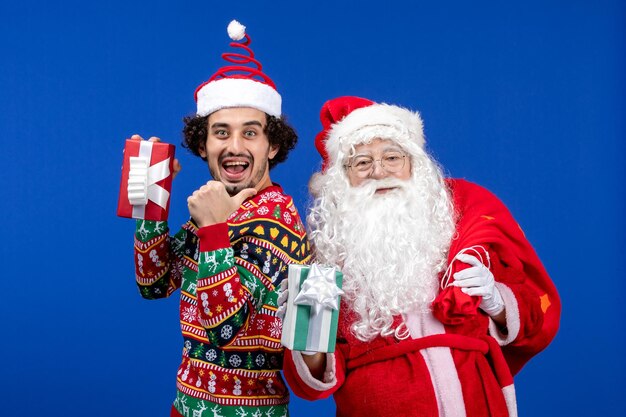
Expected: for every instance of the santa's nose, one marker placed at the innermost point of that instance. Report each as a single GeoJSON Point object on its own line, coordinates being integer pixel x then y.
{"type": "Point", "coordinates": [378, 172]}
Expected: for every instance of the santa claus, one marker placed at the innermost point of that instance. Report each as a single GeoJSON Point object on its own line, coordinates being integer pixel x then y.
{"type": "Point", "coordinates": [445, 299]}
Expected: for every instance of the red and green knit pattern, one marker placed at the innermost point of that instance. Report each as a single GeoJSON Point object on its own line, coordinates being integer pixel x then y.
{"type": "Point", "coordinates": [232, 352]}
{"type": "Point", "coordinates": [185, 405]}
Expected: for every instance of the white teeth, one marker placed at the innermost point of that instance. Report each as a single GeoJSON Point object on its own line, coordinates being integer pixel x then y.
{"type": "Point", "coordinates": [234, 163]}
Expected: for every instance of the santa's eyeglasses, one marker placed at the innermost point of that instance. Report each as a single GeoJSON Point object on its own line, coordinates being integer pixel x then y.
{"type": "Point", "coordinates": [363, 166]}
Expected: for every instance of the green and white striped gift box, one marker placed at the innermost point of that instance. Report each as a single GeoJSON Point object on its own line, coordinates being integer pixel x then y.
{"type": "Point", "coordinates": [304, 328]}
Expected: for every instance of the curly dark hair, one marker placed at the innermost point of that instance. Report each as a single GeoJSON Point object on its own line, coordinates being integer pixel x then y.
{"type": "Point", "coordinates": [277, 130]}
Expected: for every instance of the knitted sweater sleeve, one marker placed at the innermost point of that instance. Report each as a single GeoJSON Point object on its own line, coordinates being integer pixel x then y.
{"type": "Point", "coordinates": [158, 258]}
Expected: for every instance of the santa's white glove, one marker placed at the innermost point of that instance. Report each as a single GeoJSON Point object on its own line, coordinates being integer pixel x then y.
{"type": "Point", "coordinates": [283, 296]}
{"type": "Point", "coordinates": [478, 281]}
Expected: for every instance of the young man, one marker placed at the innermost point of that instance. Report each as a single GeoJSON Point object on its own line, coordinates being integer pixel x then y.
{"type": "Point", "coordinates": [444, 300]}
{"type": "Point", "coordinates": [229, 258]}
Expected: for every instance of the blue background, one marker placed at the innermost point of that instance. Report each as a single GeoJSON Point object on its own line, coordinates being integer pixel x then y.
{"type": "Point", "coordinates": [527, 100]}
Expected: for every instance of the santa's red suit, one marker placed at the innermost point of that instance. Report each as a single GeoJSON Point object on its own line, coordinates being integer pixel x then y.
{"type": "Point", "coordinates": [456, 361]}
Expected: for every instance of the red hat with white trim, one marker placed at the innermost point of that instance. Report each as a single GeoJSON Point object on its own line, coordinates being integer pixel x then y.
{"type": "Point", "coordinates": [349, 121]}
{"type": "Point", "coordinates": [242, 84]}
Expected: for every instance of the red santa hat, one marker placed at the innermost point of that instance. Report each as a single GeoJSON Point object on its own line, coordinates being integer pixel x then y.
{"type": "Point", "coordinates": [242, 84]}
{"type": "Point", "coordinates": [349, 121]}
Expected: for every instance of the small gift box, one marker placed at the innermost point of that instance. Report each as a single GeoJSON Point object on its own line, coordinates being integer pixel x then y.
{"type": "Point", "coordinates": [146, 180]}
{"type": "Point", "coordinates": [310, 321]}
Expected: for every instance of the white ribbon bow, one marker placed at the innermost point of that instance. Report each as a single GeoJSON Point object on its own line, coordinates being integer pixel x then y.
{"type": "Point", "coordinates": [142, 180]}
{"type": "Point", "coordinates": [319, 289]}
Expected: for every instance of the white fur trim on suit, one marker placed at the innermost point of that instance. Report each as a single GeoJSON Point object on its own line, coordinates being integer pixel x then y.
{"type": "Point", "coordinates": [330, 377]}
{"type": "Point", "coordinates": [382, 121]}
{"type": "Point", "coordinates": [238, 92]}
{"type": "Point", "coordinates": [443, 373]}
{"type": "Point", "coordinates": [510, 399]}
{"type": "Point", "coordinates": [512, 317]}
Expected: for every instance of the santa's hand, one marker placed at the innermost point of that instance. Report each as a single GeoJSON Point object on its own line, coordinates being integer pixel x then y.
{"type": "Point", "coordinates": [211, 204]}
{"type": "Point", "coordinates": [283, 296]}
{"type": "Point", "coordinates": [283, 290]}
{"type": "Point", "coordinates": [478, 281]}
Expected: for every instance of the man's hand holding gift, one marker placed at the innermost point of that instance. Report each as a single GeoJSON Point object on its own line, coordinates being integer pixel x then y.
{"type": "Point", "coordinates": [177, 167]}
{"type": "Point", "coordinates": [148, 169]}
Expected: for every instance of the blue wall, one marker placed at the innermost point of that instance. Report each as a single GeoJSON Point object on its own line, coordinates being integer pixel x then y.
{"type": "Point", "coordinates": [527, 100]}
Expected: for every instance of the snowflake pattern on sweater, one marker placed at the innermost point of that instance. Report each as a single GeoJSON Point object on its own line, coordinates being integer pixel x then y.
{"type": "Point", "coordinates": [228, 276]}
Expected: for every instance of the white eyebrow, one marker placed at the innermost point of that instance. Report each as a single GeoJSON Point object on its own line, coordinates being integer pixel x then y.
{"type": "Point", "coordinates": [393, 148]}
{"type": "Point", "coordinates": [385, 149]}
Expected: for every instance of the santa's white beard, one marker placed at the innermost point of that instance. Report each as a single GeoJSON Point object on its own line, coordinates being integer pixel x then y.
{"type": "Point", "coordinates": [390, 247]}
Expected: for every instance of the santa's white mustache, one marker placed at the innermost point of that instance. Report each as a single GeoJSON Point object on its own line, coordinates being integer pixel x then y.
{"type": "Point", "coordinates": [372, 185]}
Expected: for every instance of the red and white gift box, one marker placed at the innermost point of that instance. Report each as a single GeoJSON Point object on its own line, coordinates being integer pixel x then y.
{"type": "Point", "coordinates": [146, 180]}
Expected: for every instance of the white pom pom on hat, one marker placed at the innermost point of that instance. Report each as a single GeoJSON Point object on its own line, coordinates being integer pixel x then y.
{"type": "Point", "coordinates": [242, 83]}
{"type": "Point", "coordinates": [236, 30]}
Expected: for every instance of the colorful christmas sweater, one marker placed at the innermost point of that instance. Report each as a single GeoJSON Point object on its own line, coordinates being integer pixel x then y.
{"type": "Point", "coordinates": [455, 362]}
{"type": "Point", "coordinates": [228, 275]}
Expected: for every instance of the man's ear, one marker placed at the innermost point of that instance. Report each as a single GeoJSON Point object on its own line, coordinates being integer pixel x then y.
{"type": "Point", "coordinates": [273, 151]}
{"type": "Point", "coordinates": [202, 149]}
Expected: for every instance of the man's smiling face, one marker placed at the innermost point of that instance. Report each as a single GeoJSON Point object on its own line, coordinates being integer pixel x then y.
{"type": "Point", "coordinates": [237, 148]}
